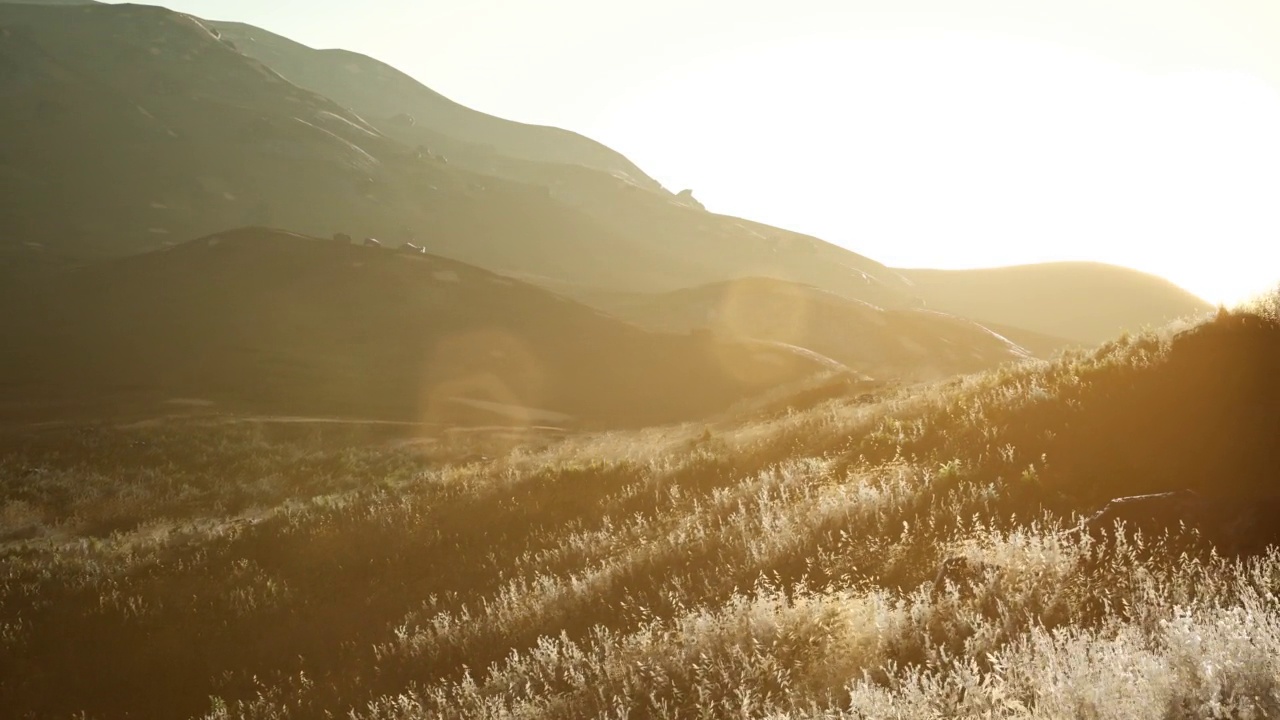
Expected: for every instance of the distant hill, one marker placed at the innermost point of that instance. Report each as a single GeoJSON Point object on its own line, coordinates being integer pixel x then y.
{"type": "Point", "coordinates": [1080, 301]}
{"type": "Point", "coordinates": [884, 344]}
{"type": "Point", "coordinates": [267, 321]}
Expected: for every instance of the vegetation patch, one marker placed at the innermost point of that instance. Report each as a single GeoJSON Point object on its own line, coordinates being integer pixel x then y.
{"type": "Point", "coordinates": [921, 553]}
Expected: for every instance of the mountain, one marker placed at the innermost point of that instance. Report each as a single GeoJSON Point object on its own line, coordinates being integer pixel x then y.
{"type": "Point", "coordinates": [402, 107]}
{"type": "Point", "coordinates": [619, 196]}
{"type": "Point", "coordinates": [1081, 301]}
{"type": "Point", "coordinates": [907, 344]}
{"type": "Point", "coordinates": [132, 127]}
{"type": "Point", "coordinates": [585, 176]}
{"type": "Point", "coordinates": [266, 321]}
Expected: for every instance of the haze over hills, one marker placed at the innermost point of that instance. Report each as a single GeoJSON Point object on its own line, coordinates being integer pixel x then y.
{"type": "Point", "coordinates": [393, 102]}
{"type": "Point", "coordinates": [403, 108]}
{"type": "Point", "coordinates": [565, 444]}
{"type": "Point", "coordinates": [926, 556]}
{"type": "Point", "coordinates": [907, 344]}
{"type": "Point", "coordinates": [271, 322]}
{"type": "Point", "coordinates": [136, 128]}
{"type": "Point", "coordinates": [1086, 302]}
{"type": "Point", "coordinates": [188, 136]}
{"type": "Point", "coordinates": [585, 176]}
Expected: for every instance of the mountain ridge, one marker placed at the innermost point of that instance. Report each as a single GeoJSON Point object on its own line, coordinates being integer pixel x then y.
{"type": "Point", "coordinates": [385, 93]}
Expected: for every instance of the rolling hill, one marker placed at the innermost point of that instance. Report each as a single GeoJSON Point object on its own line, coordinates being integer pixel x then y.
{"type": "Point", "coordinates": [272, 322]}
{"type": "Point", "coordinates": [909, 344]}
{"type": "Point", "coordinates": [1085, 302]}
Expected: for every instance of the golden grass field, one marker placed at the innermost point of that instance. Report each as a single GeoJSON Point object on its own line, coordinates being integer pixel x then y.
{"type": "Point", "coordinates": [777, 562]}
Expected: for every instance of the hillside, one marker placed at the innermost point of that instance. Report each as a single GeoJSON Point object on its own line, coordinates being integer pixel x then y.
{"type": "Point", "coordinates": [588, 177]}
{"type": "Point", "coordinates": [911, 345]}
{"type": "Point", "coordinates": [404, 108]}
{"type": "Point", "coordinates": [1084, 302]}
{"type": "Point", "coordinates": [783, 567]}
{"type": "Point", "coordinates": [133, 127]}
{"type": "Point", "coordinates": [271, 322]}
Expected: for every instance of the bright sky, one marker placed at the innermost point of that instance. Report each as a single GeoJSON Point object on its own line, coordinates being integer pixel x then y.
{"type": "Point", "coordinates": [921, 133]}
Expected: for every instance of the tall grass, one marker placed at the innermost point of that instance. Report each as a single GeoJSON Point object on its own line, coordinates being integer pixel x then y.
{"type": "Point", "coordinates": [779, 563]}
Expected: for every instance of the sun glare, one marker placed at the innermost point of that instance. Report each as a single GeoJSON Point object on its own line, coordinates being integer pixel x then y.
{"type": "Point", "coordinates": [953, 150]}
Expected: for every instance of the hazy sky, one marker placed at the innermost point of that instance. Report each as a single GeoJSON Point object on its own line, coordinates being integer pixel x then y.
{"type": "Point", "coordinates": [933, 133]}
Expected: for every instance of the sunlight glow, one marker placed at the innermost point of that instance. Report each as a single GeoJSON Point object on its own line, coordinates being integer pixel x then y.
{"type": "Point", "coordinates": [961, 150]}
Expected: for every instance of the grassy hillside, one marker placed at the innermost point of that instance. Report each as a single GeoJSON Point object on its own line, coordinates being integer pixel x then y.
{"type": "Point", "coordinates": [272, 322]}
{"type": "Point", "coordinates": [777, 565]}
{"type": "Point", "coordinates": [910, 345]}
{"type": "Point", "coordinates": [1085, 302]}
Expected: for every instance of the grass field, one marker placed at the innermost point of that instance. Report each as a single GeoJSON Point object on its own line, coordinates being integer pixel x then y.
{"type": "Point", "coordinates": [778, 562]}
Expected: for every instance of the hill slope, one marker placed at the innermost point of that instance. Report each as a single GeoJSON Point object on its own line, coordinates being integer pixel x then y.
{"type": "Point", "coordinates": [400, 105]}
{"type": "Point", "coordinates": [587, 176]}
{"type": "Point", "coordinates": [885, 344]}
{"type": "Point", "coordinates": [1085, 302]}
{"type": "Point", "coordinates": [271, 322]}
{"type": "Point", "coordinates": [133, 127]}
{"type": "Point", "coordinates": [775, 568]}
{"type": "Point", "coordinates": [1080, 302]}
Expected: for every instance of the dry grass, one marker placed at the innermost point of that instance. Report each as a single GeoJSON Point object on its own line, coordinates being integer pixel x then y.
{"type": "Point", "coordinates": [771, 566]}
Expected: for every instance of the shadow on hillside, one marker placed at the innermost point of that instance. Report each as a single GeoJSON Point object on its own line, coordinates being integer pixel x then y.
{"type": "Point", "coordinates": [1206, 419]}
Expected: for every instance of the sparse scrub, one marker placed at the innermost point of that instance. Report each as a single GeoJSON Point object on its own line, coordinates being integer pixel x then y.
{"type": "Point", "coordinates": [781, 565]}
{"type": "Point", "coordinates": [1266, 304]}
